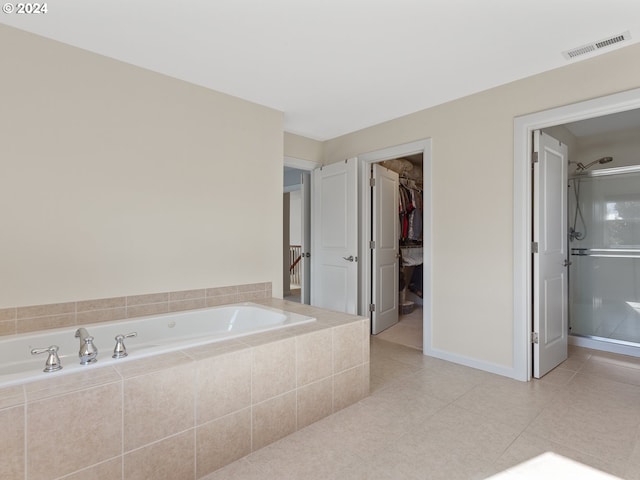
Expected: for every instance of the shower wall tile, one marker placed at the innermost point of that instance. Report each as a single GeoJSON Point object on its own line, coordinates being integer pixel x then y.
{"type": "Point", "coordinates": [12, 420]}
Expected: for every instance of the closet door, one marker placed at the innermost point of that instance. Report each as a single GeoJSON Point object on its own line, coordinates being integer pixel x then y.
{"type": "Point", "coordinates": [385, 249]}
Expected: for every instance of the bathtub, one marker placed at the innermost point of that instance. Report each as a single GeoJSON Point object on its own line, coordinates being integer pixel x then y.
{"type": "Point", "coordinates": [156, 335]}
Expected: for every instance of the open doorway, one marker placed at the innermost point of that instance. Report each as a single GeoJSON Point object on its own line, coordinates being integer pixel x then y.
{"type": "Point", "coordinates": [297, 229]}
{"type": "Point", "coordinates": [419, 152]}
{"type": "Point", "coordinates": [523, 207]}
{"type": "Point", "coordinates": [406, 209]}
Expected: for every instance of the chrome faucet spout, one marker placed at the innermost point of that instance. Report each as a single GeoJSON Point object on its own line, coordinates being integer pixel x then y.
{"type": "Point", "coordinates": [88, 352]}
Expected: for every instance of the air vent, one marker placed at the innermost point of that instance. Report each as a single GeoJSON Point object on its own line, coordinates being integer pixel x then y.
{"type": "Point", "coordinates": [592, 47]}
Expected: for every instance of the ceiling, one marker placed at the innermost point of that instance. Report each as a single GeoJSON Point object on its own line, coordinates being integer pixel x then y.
{"type": "Point", "coordinates": [336, 66]}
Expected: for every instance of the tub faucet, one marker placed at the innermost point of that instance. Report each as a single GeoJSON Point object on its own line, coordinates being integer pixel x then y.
{"type": "Point", "coordinates": [88, 352]}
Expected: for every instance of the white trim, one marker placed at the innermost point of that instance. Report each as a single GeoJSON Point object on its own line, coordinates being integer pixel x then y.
{"type": "Point", "coordinates": [605, 346]}
{"type": "Point", "coordinates": [364, 160]}
{"type": "Point", "coordinates": [523, 127]}
{"type": "Point", "coordinates": [470, 362]}
{"type": "Point", "coordinates": [301, 164]}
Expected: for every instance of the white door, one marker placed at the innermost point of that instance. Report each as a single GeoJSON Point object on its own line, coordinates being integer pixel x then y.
{"type": "Point", "coordinates": [305, 291]}
{"type": "Point", "coordinates": [334, 238]}
{"type": "Point", "coordinates": [550, 262]}
{"type": "Point", "coordinates": [385, 249]}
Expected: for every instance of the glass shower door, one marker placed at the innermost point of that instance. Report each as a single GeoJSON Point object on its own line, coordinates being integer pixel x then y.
{"type": "Point", "coordinates": [604, 276]}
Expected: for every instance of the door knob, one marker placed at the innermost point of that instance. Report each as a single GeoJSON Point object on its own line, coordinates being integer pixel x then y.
{"type": "Point", "coordinates": [349, 258]}
{"type": "Point", "coordinates": [566, 263]}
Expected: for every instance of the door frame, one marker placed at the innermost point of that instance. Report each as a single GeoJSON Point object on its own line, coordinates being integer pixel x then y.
{"type": "Point", "coordinates": [523, 208]}
{"type": "Point", "coordinates": [307, 166]}
{"type": "Point", "coordinates": [365, 209]}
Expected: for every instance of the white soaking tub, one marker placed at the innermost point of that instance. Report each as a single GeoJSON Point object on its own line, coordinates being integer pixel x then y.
{"type": "Point", "coordinates": [155, 335]}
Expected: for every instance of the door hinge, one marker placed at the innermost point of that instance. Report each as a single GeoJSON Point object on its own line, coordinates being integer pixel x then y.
{"type": "Point", "coordinates": [534, 247]}
{"type": "Point", "coordinates": [534, 337]}
{"type": "Point", "coordinates": [534, 157]}
{"type": "Point", "coordinates": [372, 244]}
{"type": "Point", "coordinates": [372, 307]}
{"type": "Point", "coordinates": [372, 182]}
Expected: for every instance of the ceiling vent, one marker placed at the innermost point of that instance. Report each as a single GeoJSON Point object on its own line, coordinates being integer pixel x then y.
{"type": "Point", "coordinates": [592, 47]}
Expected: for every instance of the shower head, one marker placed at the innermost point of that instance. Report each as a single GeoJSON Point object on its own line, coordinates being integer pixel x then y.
{"type": "Point", "coordinates": [580, 167]}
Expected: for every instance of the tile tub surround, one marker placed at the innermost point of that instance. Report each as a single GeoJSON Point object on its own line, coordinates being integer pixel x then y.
{"type": "Point", "coordinates": [185, 414]}
{"type": "Point", "coordinates": [43, 317]}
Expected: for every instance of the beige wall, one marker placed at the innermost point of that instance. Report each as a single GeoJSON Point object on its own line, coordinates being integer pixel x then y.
{"type": "Point", "coordinates": [472, 145]}
{"type": "Point", "coordinates": [118, 181]}
{"type": "Point", "coordinates": [303, 148]}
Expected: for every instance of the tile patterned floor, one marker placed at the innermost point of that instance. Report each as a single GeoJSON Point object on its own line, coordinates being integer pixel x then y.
{"type": "Point", "coordinates": [431, 419]}
{"type": "Point", "coordinates": [408, 330]}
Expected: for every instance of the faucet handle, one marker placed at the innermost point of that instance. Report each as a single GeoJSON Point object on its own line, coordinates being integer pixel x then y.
{"type": "Point", "coordinates": [120, 351]}
{"type": "Point", "coordinates": [53, 360]}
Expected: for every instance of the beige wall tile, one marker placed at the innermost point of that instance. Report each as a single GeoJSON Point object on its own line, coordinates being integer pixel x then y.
{"type": "Point", "coordinates": [314, 356]}
{"type": "Point", "coordinates": [157, 363]}
{"type": "Point", "coordinates": [347, 388]}
{"type": "Point", "coordinates": [274, 369]}
{"type": "Point", "coordinates": [109, 470]}
{"type": "Point", "coordinates": [12, 396]}
{"type": "Point", "coordinates": [46, 310]}
{"type": "Point", "coordinates": [12, 443]}
{"type": "Point", "coordinates": [223, 385]}
{"type": "Point", "coordinates": [171, 459]}
{"type": "Point", "coordinates": [222, 291]}
{"type": "Point", "coordinates": [8, 327]}
{"type": "Point", "coordinates": [101, 304]}
{"type": "Point", "coordinates": [158, 405]}
{"type": "Point", "coordinates": [366, 340]}
{"type": "Point", "coordinates": [25, 325]}
{"type": "Point", "coordinates": [253, 287]}
{"type": "Point", "coordinates": [222, 300]}
{"type": "Point", "coordinates": [187, 295]}
{"type": "Point", "coordinates": [149, 309]}
{"type": "Point", "coordinates": [147, 298]}
{"type": "Point", "coordinates": [252, 296]}
{"type": "Point", "coordinates": [223, 441]}
{"type": "Point", "coordinates": [96, 316]}
{"type": "Point", "coordinates": [214, 349]}
{"type": "Point", "coordinates": [8, 314]}
{"type": "Point", "coordinates": [181, 305]}
{"type": "Point", "coordinates": [315, 401]}
{"type": "Point", "coordinates": [62, 432]}
{"type": "Point", "coordinates": [62, 385]}
{"type": "Point", "coordinates": [347, 346]}
{"type": "Point", "coordinates": [273, 419]}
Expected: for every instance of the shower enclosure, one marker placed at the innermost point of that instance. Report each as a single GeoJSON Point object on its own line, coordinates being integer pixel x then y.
{"type": "Point", "coordinates": [604, 246]}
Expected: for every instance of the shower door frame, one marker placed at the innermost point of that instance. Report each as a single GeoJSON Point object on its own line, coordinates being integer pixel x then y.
{"type": "Point", "coordinates": [523, 208]}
